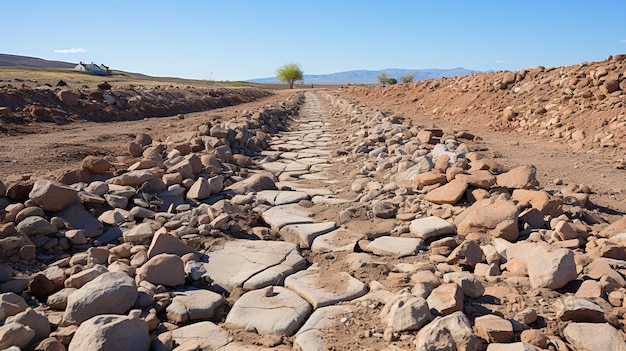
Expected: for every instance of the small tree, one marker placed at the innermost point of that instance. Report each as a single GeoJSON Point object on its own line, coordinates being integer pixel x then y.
{"type": "Point", "coordinates": [289, 73]}
{"type": "Point", "coordinates": [407, 78]}
{"type": "Point", "coordinates": [382, 78]}
{"type": "Point", "coordinates": [392, 81]}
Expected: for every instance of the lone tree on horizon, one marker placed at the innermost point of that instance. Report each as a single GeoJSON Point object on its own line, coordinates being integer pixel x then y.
{"type": "Point", "coordinates": [289, 73]}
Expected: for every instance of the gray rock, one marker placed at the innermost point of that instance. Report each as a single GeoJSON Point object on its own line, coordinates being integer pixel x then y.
{"type": "Point", "coordinates": [310, 337]}
{"type": "Point", "coordinates": [234, 263]}
{"type": "Point", "coordinates": [469, 284]}
{"type": "Point", "coordinates": [578, 309]}
{"type": "Point", "coordinates": [16, 335]}
{"type": "Point", "coordinates": [75, 217]}
{"type": "Point", "coordinates": [272, 310]}
{"type": "Point", "coordinates": [108, 293]}
{"type": "Point", "coordinates": [141, 233]}
{"type": "Point", "coordinates": [276, 197]}
{"type": "Point", "coordinates": [12, 304]}
{"type": "Point", "coordinates": [254, 183]}
{"type": "Point", "coordinates": [164, 269]}
{"type": "Point", "coordinates": [52, 196]}
{"type": "Point", "coordinates": [167, 243]}
{"type": "Point", "coordinates": [395, 246]}
{"type": "Point", "coordinates": [339, 240]}
{"type": "Point", "coordinates": [406, 312]}
{"type": "Point", "coordinates": [109, 332]}
{"type": "Point", "coordinates": [323, 289]}
{"type": "Point", "coordinates": [35, 225]}
{"type": "Point", "coordinates": [35, 320]}
{"type": "Point", "coordinates": [192, 305]}
{"type": "Point", "coordinates": [431, 228]}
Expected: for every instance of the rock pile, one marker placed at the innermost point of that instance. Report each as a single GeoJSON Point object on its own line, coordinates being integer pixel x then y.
{"type": "Point", "coordinates": [23, 104]}
{"type": "Point", "coordinates": [315, 224]}
{"type": "Point", "coordinates": [580, 105]}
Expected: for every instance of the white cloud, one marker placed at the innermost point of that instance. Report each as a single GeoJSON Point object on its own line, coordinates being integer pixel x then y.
{"type": "Point", "coordinates": [623, 41]}
{"type": "Point", "coordinates": [500, 62]}
{"type": "Point", "coordinates": [77, 50]}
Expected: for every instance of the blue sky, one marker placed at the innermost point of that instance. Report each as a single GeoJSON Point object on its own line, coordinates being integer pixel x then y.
{"type": "Point", "coordinates": [245, 39]}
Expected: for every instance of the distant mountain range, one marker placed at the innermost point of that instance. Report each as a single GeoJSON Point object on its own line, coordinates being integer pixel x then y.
{"type": "Point", "coordinates": [7, 60]}
{"type": "Point", "coordinates": [371, 77]}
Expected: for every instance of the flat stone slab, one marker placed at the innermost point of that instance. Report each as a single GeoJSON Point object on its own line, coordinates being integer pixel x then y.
{"type": "Point", "coordinates": [324, 200]}
{"type": "Point", "coordinates": [272, 310]}
{"type": "Point", "coordinates": [280, 167]}
{"type": "Point", "coordinates": [277, 197]}
{"type": "Point", "coordinates": [311, 335]}
{"type": "Point", "coordinates": [304, 234]}
{"type": "Point", "coordinates": [431, 228]}
{"type": "Point", "coordinates": [193, 305]}
{"type": "Point", "coordinates": [298, 186]}
{"type": "Point", "coordinates": [206, 335]}
{"type": "Point", "coordinates": [280, 216]}
{"type": "Point", "coordinates": [236, 262]}
{"type": "Point", "coordinates": [395, 246]}
{"type": "Point", "coordinates": [321, 288]}
{"type": "Point", "coordinates": [336, 241]}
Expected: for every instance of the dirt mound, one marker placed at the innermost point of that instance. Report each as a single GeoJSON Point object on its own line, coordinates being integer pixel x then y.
{"type": "Point", "coordinates": [580, 105]}
{"type": "Point", "coordinates": [22, 105]}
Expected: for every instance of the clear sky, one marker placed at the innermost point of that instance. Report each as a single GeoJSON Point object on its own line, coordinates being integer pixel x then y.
{"type": "Point", "coordinates": [245, 39]}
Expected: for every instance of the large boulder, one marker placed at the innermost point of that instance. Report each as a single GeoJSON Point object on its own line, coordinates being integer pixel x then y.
{"type": "Point", "coordinates": [164, 269]}
{"type": "Point", "coordinates": [109, 332]}
{"type": "Point", "coordinates": [52, 196]}
{"type": "Point", "coordinates": [449, 333]}
{"type": "Point", "coordinates": [108, 293]}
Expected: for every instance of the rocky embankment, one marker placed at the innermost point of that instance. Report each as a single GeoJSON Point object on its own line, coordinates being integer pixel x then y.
{"type": "Point", "coordinates": [21, 104]}
{"type": "Point", "coordinates": [581, 105]}
{"type": "Point", "coordinates": [314, 224]}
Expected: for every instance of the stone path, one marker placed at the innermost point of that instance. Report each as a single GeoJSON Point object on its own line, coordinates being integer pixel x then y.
{"type": "Point", "coordinates": [336, 227]}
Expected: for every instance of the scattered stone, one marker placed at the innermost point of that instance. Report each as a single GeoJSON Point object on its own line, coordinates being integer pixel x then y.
{"type": "Point", "coordinates": [445, 299]}
{"type": "Point", "coordinates": [497, 217]}
{"type": "Point", "coordinates": [108, 293]}
{"type": "Point", "coordinates": [494, 329]}
{"type": "Point", "coordinates": [16, 335]}
{"type": "Point", "coordinates": [578, 309]}
{"type": "Point", "coordinates": [406, 312]}
{"type": "Point", "coordinates": [594, 337]}
{"type": "Point", "coordinates": [431, 228]}
{"type": "Point", "coordinates": [164, 269]}
{"type": "Point", "coordinates": [395, 246]}
{"type": "Point", "coordinates": [52, 196]}
{"type": "Point", "coordinates": [469, 284]}
{"type": "Point", "coordinates": [452, 332]}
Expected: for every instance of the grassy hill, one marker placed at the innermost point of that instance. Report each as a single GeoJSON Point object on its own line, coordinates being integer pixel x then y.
{"type": "Point", "coordinates": [31, 70]}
